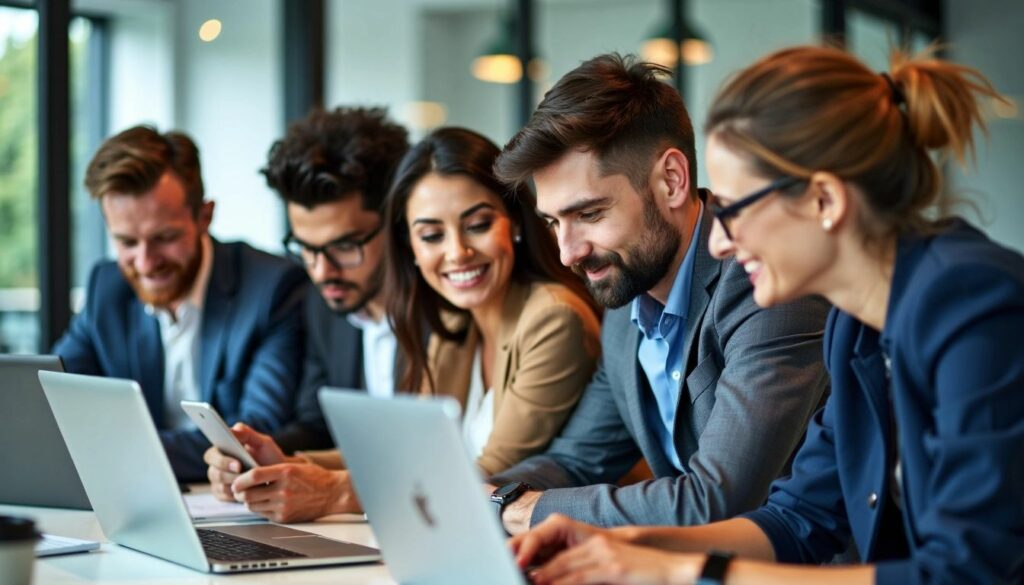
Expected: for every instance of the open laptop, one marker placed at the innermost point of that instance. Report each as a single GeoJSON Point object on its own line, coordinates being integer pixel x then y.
{"type": "Point", "coordinates": [37, 470]}
{"type": "Point", "coordinates": [115, 446]}
{"type": "Point", "coordinates": [420, 489]}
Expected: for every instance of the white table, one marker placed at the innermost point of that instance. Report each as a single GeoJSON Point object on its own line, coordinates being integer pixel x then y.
{"type": "Point", "coordinates": [116, 564]}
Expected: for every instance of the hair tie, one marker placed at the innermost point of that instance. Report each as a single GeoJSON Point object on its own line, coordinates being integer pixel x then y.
{"type": "Point", "coordinates": [898, 97]}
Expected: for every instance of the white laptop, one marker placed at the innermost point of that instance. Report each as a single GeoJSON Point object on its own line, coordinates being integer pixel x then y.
{"type": "Point", "coordinates": [118, 454]}
{"type": "Point", "coordinates": [420, 489]}
{"type": "Point", "coordinates": [51, 545]}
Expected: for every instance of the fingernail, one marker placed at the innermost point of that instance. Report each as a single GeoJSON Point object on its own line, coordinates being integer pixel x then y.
{"type": "Point", "coordinates": [235, 466]}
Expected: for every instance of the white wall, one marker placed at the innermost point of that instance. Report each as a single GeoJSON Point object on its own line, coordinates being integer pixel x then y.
{"type": "Point", "coordinates": [229, 98]}
{"type": "Point", "coordinates": [372, 50]}
{"type": "Point", "coordinates": [226, 94]}
{"type": "Point", "coordinates": [986, 34]}
{"type": "Point", "coordinates": [142, 89]}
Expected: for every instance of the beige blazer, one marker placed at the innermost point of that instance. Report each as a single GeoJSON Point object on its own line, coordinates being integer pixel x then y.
{"type": "Point", "coordinates": [548, 347]}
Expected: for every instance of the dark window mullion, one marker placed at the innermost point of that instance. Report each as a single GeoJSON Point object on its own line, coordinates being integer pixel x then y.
{"type": "Point", "coordinates": [54, 204]}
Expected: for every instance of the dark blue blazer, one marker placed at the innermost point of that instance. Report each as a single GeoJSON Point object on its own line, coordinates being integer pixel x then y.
{"type": "Point", "coordinates": [953, 338]}
{"type": "Point", "coordinates": [251, 344]}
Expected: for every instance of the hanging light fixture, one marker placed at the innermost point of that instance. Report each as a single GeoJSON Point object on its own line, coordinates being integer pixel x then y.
{"type": "Point", "coordinates": [659, 47]}
{"type": "Point", "coordinates": [499, 61]}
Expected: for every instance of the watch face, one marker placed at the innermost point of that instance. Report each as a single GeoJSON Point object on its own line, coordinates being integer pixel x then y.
{"type": "Point", "coordinates": [507, 489]}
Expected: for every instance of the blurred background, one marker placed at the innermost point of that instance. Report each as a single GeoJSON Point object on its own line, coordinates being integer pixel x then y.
{"type": "Point", "coordinates": [232, 73]}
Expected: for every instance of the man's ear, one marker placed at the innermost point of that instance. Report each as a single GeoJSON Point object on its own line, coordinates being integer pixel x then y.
{"type": "Point", "coordinates": [672, 173]}
{"type": "Point", "coordinates": [205, 216]}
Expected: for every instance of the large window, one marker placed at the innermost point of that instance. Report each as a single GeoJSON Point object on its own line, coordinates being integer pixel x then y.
{"type": "Point", "coordinates": [19, 282]}
{"type": "Point", "coordinates": [19, 278]}
{"type": "Point", "coordinates": [88, 128]}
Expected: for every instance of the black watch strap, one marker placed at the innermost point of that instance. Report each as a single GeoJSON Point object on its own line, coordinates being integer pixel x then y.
{"type": "Point", "coordinates": [714, 569]}
{"type": "Point", "coordinates": [506, 494]}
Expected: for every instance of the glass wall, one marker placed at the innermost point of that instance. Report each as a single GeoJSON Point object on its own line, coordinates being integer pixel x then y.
{"type": "Point", "coordinates": [89, 45]}
{"type": "Point", "coordinates": [415, 57]}
{"type": "Point", "coordinates": [19, 279]}
{"type": "Point", "coordinates": [735, 32]}
{"type": "Point", "coordinates": [150, 61]}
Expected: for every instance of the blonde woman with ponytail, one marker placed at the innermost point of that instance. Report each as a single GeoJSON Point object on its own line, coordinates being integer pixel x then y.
{"type": "Point", "coordinates": [825, 184]}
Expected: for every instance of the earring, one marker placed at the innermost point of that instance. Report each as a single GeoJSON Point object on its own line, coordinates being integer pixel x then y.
{"type": "Point", "coordinates": [826, 224]}
{"type": "Point", "coordinates": [517, 238]}
{"type": "Point", "coordinates": [415, 262]}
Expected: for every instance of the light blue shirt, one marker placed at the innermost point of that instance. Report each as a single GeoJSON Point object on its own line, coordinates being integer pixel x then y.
{"type": "Point", "coordinates": [663, 330]}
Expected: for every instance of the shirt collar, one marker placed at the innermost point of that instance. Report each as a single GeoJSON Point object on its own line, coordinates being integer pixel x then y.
{"type": "Point", "coordinates": [646, 313]}
{"type": "Point", "coordinates": [363, 321]}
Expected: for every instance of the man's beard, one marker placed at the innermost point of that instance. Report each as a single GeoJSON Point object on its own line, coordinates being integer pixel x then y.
{"type": "Point", "coordinates": [184, 275]}
{"type": "Point", "coordinates": [362, 298]}
{"type": "Point", "coordinates": [650, 258]}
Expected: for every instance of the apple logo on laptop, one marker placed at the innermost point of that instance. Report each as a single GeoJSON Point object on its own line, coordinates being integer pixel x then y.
{"type": "Point", "coordinates": [419, 500]}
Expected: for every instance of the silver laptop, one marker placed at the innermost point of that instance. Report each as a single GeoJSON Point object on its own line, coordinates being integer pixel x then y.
{"type": "Point", "coordinates": [37, 470]}
{"type": "Point", "coordinates": [420, 489]}
{"type": "Point", "coordinates": [115, 446]}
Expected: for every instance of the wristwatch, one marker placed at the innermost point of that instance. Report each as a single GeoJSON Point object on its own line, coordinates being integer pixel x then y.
{"type": "Point", "coordinates": [714, 569]}
{"type": "Point", "coordinates": [507, 494]}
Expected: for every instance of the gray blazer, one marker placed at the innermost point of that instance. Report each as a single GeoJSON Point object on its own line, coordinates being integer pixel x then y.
{"type": "Point", "coordinates": [753, 378]}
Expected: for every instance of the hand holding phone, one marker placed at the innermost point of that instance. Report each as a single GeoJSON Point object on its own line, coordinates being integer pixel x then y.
{"type": "Point", "coordinates": [217, 431]}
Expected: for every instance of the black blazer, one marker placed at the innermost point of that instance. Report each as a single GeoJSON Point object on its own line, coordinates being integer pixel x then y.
{"type": "Point", "coordinates": [334, 357]}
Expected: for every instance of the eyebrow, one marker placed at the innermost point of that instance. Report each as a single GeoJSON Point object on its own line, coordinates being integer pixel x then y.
{"type": "Point", "coordinates": [118, 236]}
{"type": "Point", "coordinates": [583, 204]}
{"type": "Point", "coordinates": [463, 215]}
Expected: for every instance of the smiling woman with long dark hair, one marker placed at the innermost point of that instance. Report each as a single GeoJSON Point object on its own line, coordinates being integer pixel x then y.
{"type": "Point", "coordinates": [513, 335]}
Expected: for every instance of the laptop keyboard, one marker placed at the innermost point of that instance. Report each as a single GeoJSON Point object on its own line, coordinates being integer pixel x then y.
{"type": "Point", "coordinates": [225, 547]}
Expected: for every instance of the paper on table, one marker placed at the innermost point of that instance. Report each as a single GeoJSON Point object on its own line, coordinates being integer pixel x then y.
{"type": "Point", "coordinates": [206, 508]}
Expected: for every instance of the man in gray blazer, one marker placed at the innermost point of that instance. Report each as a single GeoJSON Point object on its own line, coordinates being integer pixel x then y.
{"type": "Point", "coordinates": [711, 390]}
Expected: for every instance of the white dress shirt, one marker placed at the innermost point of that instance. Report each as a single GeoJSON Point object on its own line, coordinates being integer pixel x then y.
{"type": "Point", "coordinates": [180, 334]}
{"type": "Point", "coordinates": [379, 349]}
{"type": "Point", "coordinates": [478, 420]}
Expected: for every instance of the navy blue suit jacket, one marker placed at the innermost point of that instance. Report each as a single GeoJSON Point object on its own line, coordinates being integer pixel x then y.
{"type": "Point", "coordinates": [251, 344]}
{"type": "Point", "coordinates": [953, 337]}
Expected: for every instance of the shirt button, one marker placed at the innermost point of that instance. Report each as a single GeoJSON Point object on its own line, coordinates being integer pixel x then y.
{"type": "Point", "coordinates": [872, 500]}
{"type": "Point", "coordinates": [675, 375]}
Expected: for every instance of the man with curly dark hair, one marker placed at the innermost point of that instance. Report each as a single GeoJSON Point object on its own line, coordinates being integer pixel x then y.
{"type": "Point", "coordinates": [332, 169]}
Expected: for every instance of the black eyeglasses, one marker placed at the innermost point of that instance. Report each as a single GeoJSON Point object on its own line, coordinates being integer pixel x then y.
{"type": "Point", "coordinates": [344, 252]}
{"type": "Point", "coordinates": [725, 215]}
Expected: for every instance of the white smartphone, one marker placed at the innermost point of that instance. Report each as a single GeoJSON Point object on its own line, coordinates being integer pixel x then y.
{"type": "Point", "coordinates": [217, 431]}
